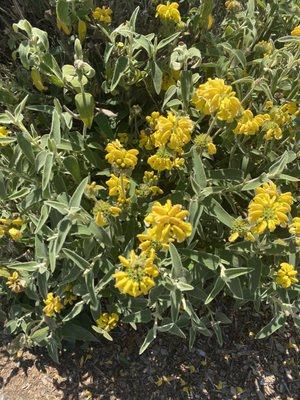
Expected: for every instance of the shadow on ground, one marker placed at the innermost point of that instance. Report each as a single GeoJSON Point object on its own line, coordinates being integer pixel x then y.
{"type": "Point", "coordinates": [244, 368]}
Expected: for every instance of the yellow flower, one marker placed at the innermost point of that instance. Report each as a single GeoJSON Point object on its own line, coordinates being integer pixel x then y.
{"type": "Point", "coordinates": [241, 228]}
{"type": "Point", "coordinates": [146, 140]}
{"type": "Point", "coordinates": [250, 125]}
{"type": "Point", "coordinates": [173, 131]}
{"type": "Point", "coordinates": [170, 78]}
{"type": "Point", "coordinates": [267, 187]}
{"type": "Point", "coordinates": [15, 234]}
{"type": "Point", "coordinates": [107, 321]}
{"type": "Point", "coordinates": [160, 161]}
{"type": "Point", "coordinates": [117, 187]}
{"type": "Point", "coordinates": [102, 210]}
{"type": "Point", "coordinates": [210, 21]}
{"type": "Point", "coordinates": [3, 134]}
{"type": "Point", "coordinates": [286, 275]}
{"type": "Point", "coordinates": [5, 221]}
{"type": "Point", "coordinates": [273, 131]}
{"type": "Point", "coordinates": [149, 185]}
{"type": "Point", "coordinates": [152, 119]}
{"type": "Point", "coordinates": [203, 142]}
{"type": "Point", "coordinates": [267, 212]}
{"type": "Point", "coordinates": [2, 232]}
{"type": "Point", "coordinates": [290, 107]}
{"type": "Point", "coordinates": [69, 296]}
{"type": "Point", "coordinates": [52, 305]}
{"type": "Point", "coordinates": [215, 96]}
{"type": "Point", "coordinates": [123, 137]}
{"type": "Point", "coordinates": [233, 5]}
{"type": "Point", "coordinates": [294, 227]}
{"type": "Point", "coordinates": [296, 31]}
{"type": "Point", "coordinates": [92, 189]}
{"type": "Point", "coordinates": [168, 11]}
{"type": "Point", "coordinates": [100, 219]}
{"type": "Point", "coordinates": [119, 157]}
{"type": "Point", "coordinates": [137, 275]}
{"type": "Point", "coordinates": [17, 221]}
{"type": "Point", "coordinates": [14, 282]}
{"type": "Point", "coordinates": [168, 222]}
{"type": "Point", "coordinates": [103, 14]}
{"type": "Point", "coordinates": [82, 28]}
{"type": "Point", "coordinates": [179, 162]}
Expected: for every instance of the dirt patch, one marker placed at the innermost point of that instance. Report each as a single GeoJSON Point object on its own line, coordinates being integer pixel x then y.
{"type": "Point", "coordinates": [244, 368]}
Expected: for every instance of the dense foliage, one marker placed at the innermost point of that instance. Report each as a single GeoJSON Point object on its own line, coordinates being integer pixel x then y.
{"type": "Point", "coordinates": [150, 173]}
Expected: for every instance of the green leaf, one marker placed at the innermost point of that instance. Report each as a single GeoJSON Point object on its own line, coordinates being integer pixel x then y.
{"type": "Point", "coordinates": [157, 75]}
{"type": "Point", "coordinates": [120, 67]}
{"type": "Point", "coordinates": [186, 80]}
{"type": "Point", "coordinates": [55, 132]}
{"type": "Point", "coordinates": [78, 307]}
{"type": "Point", "coordinates": [25, 146]}
{"type": "Point", "coordinates": [78, 260]}
{"type": "Point", "coordinates": [43, 218]}
{"type": "Point", "coordinates": [163, 43]}
{"type": "Point", "coordinates": [278, 167]}
{"type": "Point", "coordinates": [40, 334]}
{"type": "Point", "coordinates": [178, 271]}
{"type": "Point", "coordinates": [85, 106]}
{"type": "Point", "coordinates": [29, 266]}
{"type": "Point", "coordinates": [176, 297]}
{"type": "Point", "coordinates": [232, 273]}
{"type": "Point", "coordinates": [254, 183]}
{"type": "Point", "coordinates": [276, 323]}
{"type": "Point", "coordinates": [218, 286]}
{"type": "Point", "coordinates": [73, 332]}
{"type": "Point", "coordinates": [143, 316]}
{"type": "Point", "coordinates": [75, 200]}
{"type": "Point", "coordinates": [47, 170]}
{"type": "Point", "coordinates": [215, 209]}
{"type": "Point", "coordinates": [151, 335]}
{"type": "Point", "coordinates": [236, 288]}
{"type": "Point", "coordinates": [72, 165]}
{"type": "Point", "coordinates": [198, 169]}
{"type": "Point", "coordinates": [89, 281]}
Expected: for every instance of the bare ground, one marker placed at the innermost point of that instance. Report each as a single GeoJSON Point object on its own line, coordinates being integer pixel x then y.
{"type": "Point", "coordinates": [244, 368]}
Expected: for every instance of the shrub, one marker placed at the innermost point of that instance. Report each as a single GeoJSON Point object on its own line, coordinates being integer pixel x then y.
{"type": "Point", "coordinates": [151, 177]}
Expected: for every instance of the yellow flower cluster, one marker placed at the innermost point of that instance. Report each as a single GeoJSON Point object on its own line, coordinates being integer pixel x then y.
{"type": "Point", "coordinates": [248, 124]}
{"type": "Point", "coordinates": [296, 31]}
{"type": "Point", "coordinates": [264, 48]}
{"type": "Point", "coordinates": [269, 208]}
{"type": "Point", "coordinates": [92, 190]}
{"type": "Point", "coordinates": [3, 134]}
{"type": "Point", "coordinates": [137, 275]}
{"type": "Point", "coordinates": [117, 187]}
{"type": "Point", "coordinates": [168, 12]}
{"type": "Point", "coordinates": [169, 135]}
{"type": "Point", "coordinates": [204, 143]}
{"type": "Point", "coordinates": [119, 157]}
{"type": "Point", "coordinates": [233, 5]}
{"type": "Point", "coordinates": [149, 186]}
{"type": "Point", "coordinates": [103, 210]}
{"type": "Point", "coordinates": [69, 296]}
{"type": "Point", "coordinates": [9, 226]}
{"type": "Point", "coordinates": [294, 229]}
{"type": "Point", "coordinates": [103, 14]}
{"type": "Point", "coordinates": [241, 228]}
{"type": "Point", "coordinates": [15, 283]}
{"type": "Point", "coordinates": [107, 321]}
{"type": "Point", "coordinates": [286, 275]}
{"type": "Point", "coordinates": [280, 116]}
{"type": "Point", "coordinates": [166, 224]}
{"type": "Point", "coordinates": [52, 305]}
{"type": "Point", "coordinates": [215, 97]}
